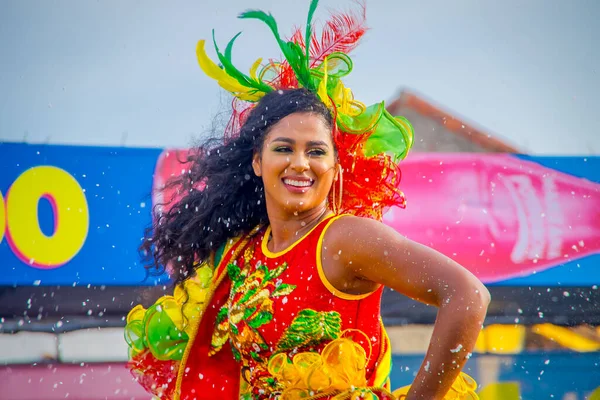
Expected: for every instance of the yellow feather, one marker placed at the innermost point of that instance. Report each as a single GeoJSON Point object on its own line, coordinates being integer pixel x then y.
{"type": "Point", "coordinates": [255, 68]}
{"type": "Point", "coordinates": [322, 90]}
{"type": "Point", "coordinates": [225, 81]}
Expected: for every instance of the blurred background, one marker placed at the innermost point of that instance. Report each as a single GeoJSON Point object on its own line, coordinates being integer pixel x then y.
{"type": "Point", "coordinates": [504, 176]}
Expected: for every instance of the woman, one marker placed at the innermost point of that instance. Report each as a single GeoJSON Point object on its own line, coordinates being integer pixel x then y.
{"type": "Point", "coordinates": [275, 242]}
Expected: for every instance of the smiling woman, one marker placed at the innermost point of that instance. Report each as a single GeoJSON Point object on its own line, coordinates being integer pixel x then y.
{"type": "Point", "coordinates": [278, 252]}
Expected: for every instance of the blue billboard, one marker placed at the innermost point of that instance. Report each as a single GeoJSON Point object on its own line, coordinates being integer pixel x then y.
{"type": "Point", "coordinates": [75, 215]}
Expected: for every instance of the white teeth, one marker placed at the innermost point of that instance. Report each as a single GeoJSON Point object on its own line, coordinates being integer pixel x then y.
{"type": "Point", "coordinates": [293, 182]}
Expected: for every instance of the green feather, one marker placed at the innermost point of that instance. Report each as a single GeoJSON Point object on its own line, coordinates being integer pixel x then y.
{"type": "Point", "coordinates": [307, 39]}
{"type": "Point", "coordinates": [298, 58]}
{"type": "Point", "coordinates": [302, 73]}
{"type": "Point", "coordinates": [233, 71]}
{"type": "Point", "coordinates": [250, 82]}
{"type": "Point", "coordinates": [290, 54]}
{"type": "Point", "coordinates": [228, 65]}
{"type": "Point", "coordinates": [230, 46]}
{"type": "Point", "coordinates": [264, 17]}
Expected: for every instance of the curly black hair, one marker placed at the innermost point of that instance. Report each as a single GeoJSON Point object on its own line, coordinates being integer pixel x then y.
{"type": "Point", "coordinates": [224, 198]}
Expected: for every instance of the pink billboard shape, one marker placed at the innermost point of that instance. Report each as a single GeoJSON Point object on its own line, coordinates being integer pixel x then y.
{"type": "Point", "coordinates": [170, 165]}
{"type": "Point", "coordinates": [499, 216]}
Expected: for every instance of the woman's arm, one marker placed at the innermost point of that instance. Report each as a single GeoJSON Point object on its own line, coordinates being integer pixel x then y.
{"type": "Point", "coordinates": [375, 252]}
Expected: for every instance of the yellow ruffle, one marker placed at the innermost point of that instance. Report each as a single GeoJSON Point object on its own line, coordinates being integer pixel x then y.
{"type": "Point", "coordinates": [463, 388]}
{"type": "Point", "coordinates": [339, 371]}
{"type": "Point", "coordinates": [164, 328]}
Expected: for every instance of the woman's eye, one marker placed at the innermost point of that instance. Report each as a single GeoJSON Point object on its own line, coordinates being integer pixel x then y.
{"type": "Point", "coordinates": [317, 152]}
{"type": "Point", "coordinates": [283, 149]}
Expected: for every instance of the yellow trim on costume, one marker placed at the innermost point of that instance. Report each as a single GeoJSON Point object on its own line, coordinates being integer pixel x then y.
{"type": "Point", "coordinates": [193, 331]}
{"type": "Point", "coordinates": [268, 253]}
{"type": "Point", "coordinates": [326, 283]}
{"type": "Point", "coordinates": [384, 362]}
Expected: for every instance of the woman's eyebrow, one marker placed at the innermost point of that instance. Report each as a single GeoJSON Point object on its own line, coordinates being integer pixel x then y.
{"type": "Point", "coordinates": [317, 143]}
{"type": "Point", "coordinates": [310, 143]}
{"type": "Point", "coordinates": [284, 139]}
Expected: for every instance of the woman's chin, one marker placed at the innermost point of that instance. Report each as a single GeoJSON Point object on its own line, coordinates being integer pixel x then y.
{"type": "Point", "coordinates": [297, 204]}
{"type": "Point", "coordinates": [302, 208]}
{"type": "Point", "coordinates": [297, 209]}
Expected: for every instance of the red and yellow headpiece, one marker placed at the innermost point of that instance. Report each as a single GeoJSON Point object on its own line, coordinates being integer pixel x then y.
{"type": "Point", "coordinates": [370, 141]}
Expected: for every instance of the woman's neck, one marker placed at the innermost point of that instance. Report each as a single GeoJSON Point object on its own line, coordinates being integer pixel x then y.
{"type": "Point", "coordinates": [287, 229]}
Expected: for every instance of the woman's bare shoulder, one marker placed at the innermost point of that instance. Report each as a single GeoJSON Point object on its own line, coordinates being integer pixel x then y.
{"type": "Point", "coordinates": [353, 228]}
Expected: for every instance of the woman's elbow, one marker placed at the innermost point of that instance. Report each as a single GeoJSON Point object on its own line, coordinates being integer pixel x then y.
{"type": "Point", "coordinates": [482, 297]}
{"type": "Point", "coordinates": [476, 296]}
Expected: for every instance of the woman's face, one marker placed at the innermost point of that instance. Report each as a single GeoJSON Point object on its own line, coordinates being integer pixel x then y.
{"type": "Point", "coordinates": [297, 164]}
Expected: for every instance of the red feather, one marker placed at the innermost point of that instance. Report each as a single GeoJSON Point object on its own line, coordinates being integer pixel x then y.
{"type": "Point", "coordinates": [297, 37]}
{"type": "Point", "coordinates": [341, 32]}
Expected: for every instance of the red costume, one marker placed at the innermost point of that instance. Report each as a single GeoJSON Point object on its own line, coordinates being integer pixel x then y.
{"type": "Point", "coordinates": [253, 324]}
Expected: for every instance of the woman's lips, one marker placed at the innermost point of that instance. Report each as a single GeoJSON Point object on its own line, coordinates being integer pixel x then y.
{"type": "Point", "coordinates": [298, 185]}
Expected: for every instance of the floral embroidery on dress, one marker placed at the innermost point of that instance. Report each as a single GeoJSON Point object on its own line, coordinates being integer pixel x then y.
{"type": "Point", "coordinates": [249, 307]}
{"type": "Point", "coordinates": [310, 328]}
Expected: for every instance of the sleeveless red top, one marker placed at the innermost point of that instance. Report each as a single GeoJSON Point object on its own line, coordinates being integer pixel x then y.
{"type": "Point", "coordinates": [268, 325]}
{"type": "Point", "coordinates": [282, 303]}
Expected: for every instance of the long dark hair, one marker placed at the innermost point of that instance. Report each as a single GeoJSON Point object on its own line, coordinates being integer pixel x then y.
{"type": "Point", "coordinates": [224, 198]}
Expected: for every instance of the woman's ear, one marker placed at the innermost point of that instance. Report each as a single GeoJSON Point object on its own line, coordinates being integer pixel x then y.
{"type": "Point", "coordinates": [256, 164]}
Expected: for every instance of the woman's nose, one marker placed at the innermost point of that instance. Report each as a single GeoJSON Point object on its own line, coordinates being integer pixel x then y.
{"type": "Point", "coordinates": [299, 162]}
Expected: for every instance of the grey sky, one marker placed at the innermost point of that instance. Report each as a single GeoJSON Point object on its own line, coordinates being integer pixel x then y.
{"type": "Point", "coordinates": [104, 72]}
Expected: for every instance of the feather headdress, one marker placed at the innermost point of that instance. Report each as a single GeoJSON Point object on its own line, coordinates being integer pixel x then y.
{"type": "Point", "coordinates": [369, 140]}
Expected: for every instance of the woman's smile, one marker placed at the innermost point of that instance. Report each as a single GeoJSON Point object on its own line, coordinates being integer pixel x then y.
{"type": "Point", "coordinates": [298, 184]}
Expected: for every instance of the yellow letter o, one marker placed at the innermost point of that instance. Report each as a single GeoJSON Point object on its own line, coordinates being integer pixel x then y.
{"type": "Point", "coordinates": [71, 218]}
{"type": "Point", "coordinates": [2, 218]}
